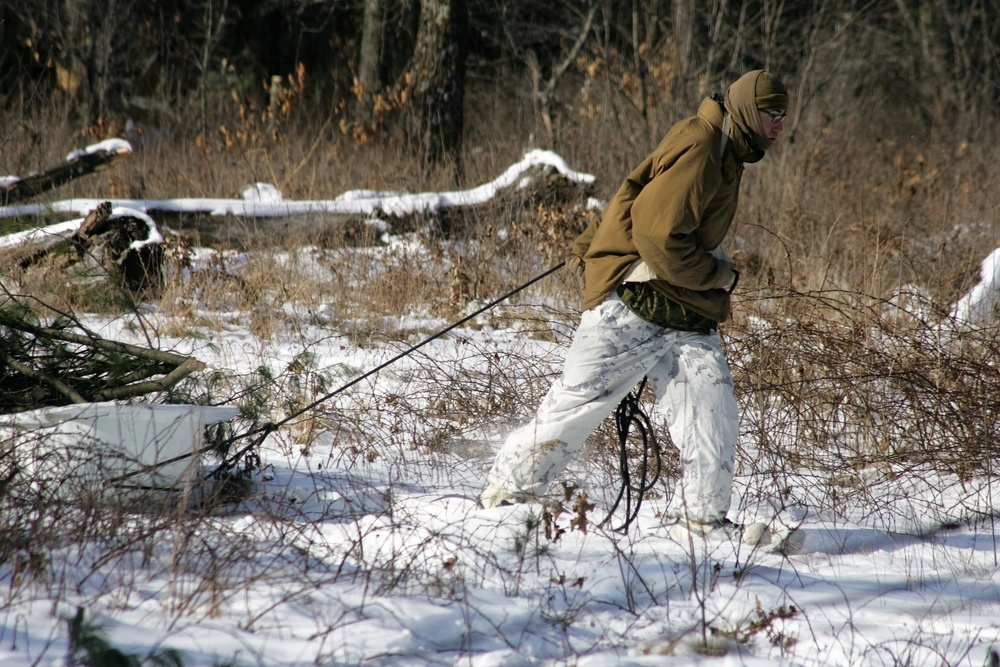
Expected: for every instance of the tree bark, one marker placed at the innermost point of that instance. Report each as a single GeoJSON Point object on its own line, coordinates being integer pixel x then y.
{"type": "Point", "coordinates": [683, 20]}
{"type": "Point", "coordinates": [438, 80]}
{"type": "Point", "coordinates": [371, 47]}
{"type": "Point", "coordinates": [546, 95]}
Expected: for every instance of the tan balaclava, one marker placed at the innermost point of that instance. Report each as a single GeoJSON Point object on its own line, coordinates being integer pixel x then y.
{"type": "Point", "coordinates": [752, 91]}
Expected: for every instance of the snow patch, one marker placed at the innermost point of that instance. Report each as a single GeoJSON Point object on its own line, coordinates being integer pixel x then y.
{"type": "Point", "coordinates": [262, 193]}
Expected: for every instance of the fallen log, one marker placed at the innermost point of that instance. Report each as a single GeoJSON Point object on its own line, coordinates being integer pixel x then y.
{"type": "Point", "coordinates": [110, 250]}
{"type": "Point", "coordinates": [78, 163]}
{"type": "Point", "coordinates": [357, 215]}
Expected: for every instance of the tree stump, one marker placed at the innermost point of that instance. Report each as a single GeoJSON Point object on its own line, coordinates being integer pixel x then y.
{"type": "Point", "coordinates": [114, 254]}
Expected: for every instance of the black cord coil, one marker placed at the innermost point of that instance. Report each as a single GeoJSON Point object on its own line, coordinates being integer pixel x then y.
{"type": "Point", "coordinates": [629, 414]}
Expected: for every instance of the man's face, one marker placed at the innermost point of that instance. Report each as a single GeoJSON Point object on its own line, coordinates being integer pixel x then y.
{"type": "Point", "coordinates": [773, 123]}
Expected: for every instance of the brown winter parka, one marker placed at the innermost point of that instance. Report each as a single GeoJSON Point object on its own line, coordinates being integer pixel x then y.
{"type": "Point", "coordinates": [671, 212]}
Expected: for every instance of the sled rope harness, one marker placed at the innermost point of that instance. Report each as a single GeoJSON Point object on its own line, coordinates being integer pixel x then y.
{"type": "Point", "coordinates": [261, 432]}
{"type": "Point", "coordinates": [628, 414]}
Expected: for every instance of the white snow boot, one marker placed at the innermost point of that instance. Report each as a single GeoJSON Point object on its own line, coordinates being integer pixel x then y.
{"type": "Point", "coordinates": [753, 534]}
{"type": "Point", "coordinates": [494, 496]}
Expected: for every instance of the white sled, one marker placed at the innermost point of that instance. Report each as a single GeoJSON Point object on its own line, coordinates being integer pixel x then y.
{"type": "Point", "coordinates": [63, 450]}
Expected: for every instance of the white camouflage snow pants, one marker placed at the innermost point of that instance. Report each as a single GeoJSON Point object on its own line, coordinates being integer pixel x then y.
{"type": "Point", "coordinates": [611, 351]}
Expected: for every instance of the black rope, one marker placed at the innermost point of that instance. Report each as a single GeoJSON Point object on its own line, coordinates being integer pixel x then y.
{"type": "Point", "coordinates": [264, 430]}
{"type": "Point", "coordinates": [229, 463]}
{"type": "Point", "coordinates": [628, 414]}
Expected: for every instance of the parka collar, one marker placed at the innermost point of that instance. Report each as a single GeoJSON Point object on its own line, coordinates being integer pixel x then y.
{"type": "Point", "coordinates": [713, 110]}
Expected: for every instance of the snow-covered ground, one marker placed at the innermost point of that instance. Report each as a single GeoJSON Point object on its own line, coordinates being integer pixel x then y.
{"type": "Point", "coordinates": [380, 556]}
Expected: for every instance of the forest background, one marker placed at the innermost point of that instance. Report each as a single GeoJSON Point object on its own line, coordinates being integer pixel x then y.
{"type": "Point", "coordinates": [902, 82]}
{"type": "Point", "coordinates": [856, 237]}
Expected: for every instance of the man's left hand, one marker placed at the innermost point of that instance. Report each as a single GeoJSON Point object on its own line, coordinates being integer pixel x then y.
{"type": "Point", "coordinates": [727, 275]}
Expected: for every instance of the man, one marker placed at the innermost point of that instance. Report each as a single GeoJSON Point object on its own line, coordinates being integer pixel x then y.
{"type": "Point", "coordinates": [657, 285]}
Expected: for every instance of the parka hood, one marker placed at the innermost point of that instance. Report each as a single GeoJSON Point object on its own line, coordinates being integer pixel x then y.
{"type": "Point", "coordinates": [754, 90]}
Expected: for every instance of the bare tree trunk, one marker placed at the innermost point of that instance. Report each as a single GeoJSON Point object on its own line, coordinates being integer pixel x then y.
{"type": "Point", "coordinates": [637, 60]}
{"type": "Point", "coordinates": [739, 45]}
{"type": "Point", "coordinates": [771, 19]}
{"type": "Point", "coordinates": [212, 25]}
{"type": "Point", "coordinates": [438, 80]}
{"type": "Point", "coordinates": [371, 47]}
{"type": "Point", "coordinates": [944, 35]}
{"type": "Point", "coordinates": [684, 15]}
{"type": "Point", "coordinates": [102, 56]}
{"type": "Point", "coordinates": [714, 50]}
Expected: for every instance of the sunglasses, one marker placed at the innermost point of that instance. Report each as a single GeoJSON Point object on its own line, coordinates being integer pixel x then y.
{"type": "Point", "coordinates": [774, 116]}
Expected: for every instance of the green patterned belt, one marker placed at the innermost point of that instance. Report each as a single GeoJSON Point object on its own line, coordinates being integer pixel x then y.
{"type": "Point", "coordinates": [654, 307]}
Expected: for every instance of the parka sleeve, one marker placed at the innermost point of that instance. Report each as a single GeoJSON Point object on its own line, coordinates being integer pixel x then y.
{"type": "Point", "coordinates": [667, 214]}
{"type": "Point", "coordinates": [582, 242]}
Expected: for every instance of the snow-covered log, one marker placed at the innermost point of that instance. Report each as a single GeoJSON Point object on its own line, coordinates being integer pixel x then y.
{"type": "Point", "coordinates": [263, 200]}
{"type": "Point", "coordinates": [117, 245]}
{"type": "Point", "coordinates": [78, 163]}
